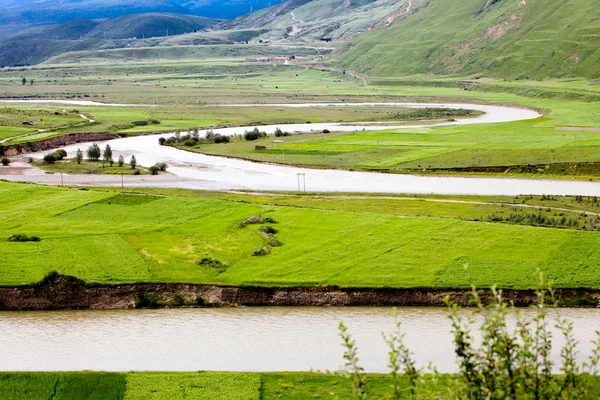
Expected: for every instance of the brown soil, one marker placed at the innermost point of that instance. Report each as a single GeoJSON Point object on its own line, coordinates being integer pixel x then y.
{"type": "Point", "coordinates": [62, 292]}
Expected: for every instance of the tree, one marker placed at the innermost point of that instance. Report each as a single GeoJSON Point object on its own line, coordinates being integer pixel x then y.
{"type": "Point", "coordinates": [133, 162]}
{"type": "Point", "coordinates": [31, 82]}
{"type": "Point", "coordinates": [121, 161]}
{"type": "Point", "coordinates": [154, 169]}
{"type": "Point", "coordinates": [93, 152]}
{"type": "Point", "coordinates": [24, 81]}
{"type": "Point", "coordinates": [50, 158]}
{"type": "Point", "coordinates": [79, 156]}
{"type": "Point", "coordinates": [107, 156]}
{"type": "Point", "coordinates": [5, 161]}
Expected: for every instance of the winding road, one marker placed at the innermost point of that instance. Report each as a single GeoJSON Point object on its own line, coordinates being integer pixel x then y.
{"type": "Point", "coordinates": [198, 171]}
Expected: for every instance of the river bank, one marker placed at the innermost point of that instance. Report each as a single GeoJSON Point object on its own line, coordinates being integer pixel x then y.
{"type": "Point", "coordinates": [59, 292]}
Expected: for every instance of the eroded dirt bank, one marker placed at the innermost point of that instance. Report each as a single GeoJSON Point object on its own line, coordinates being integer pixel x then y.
{"type": "Point", "coordinates": [53, 143]}
{"type": "Point", "coordinates": [61, 292]}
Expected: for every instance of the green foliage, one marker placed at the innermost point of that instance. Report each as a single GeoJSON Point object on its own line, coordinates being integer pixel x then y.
{"type": "Point", "coordinates": [50, 158]}
{"type": "Point", "coordinates": [132, 162]}
{"type": "Point", "coordinates": [93, 152]}
{"type": "Point", "coordinates": [507, 363]}
{"type": "Point", "coordinates": [121, 161]}
{"type": "Point", "coordinates": [107, 156]}
{"type": "Point", "coordinates": [252, 135]}
{"type": "Point", "coordinates": [154, 170]}
{"type": "Point", "coordinates": [79, 156]}
{"type": "Point", "coordinates": [5, 161]}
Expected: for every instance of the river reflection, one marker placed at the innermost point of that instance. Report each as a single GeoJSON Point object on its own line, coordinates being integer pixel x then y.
{"type": "Point", "coordinates": [236, 339]}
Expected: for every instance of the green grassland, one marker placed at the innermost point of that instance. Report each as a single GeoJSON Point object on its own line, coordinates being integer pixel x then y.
{"type": "Point", "coordinates": [192, 386]}
{"type": "Point", "coordinates": [89, 167]}
{"type": "Point", "coordinates": [102, 236]}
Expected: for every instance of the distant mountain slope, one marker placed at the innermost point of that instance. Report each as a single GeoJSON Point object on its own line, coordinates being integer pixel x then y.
{"type": "Point", "coordinates": [148, 25]}
{"type": "Point", "coordinates": [40, 43]}
{"type": "Point", "coordinates": [505, 38]}
{"type": "Point", "coordinates": [309, 20]}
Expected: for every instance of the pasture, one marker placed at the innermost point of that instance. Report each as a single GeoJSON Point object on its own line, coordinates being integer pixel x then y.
{"type": "Point", "coordinates": [105, 237]}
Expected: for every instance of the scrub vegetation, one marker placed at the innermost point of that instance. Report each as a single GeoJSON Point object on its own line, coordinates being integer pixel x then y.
{"type": "Point", "coordinates": [107, 237]}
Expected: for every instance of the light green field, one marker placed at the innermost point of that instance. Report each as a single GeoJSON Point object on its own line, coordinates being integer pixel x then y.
{"type": "Point", "coordinates": [111, 238]}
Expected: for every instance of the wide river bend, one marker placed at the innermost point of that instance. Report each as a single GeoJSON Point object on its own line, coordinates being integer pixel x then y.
{"type": "Point", "coordinates": [198, 171]}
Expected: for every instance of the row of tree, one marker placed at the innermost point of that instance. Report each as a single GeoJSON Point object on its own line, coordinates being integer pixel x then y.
{"type": "Point", "coordinates": [94, 154]}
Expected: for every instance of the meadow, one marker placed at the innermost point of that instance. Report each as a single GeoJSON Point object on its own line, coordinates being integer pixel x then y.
{"type": "Point", "coordinates": [102, 236]}
{"type": "Point", "coordinates": [563, 143]}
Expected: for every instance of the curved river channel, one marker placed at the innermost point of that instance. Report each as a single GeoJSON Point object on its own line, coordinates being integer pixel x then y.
{"type": "Point", "coordinates": [232, 339]}
{"type": "Point", "coordinates": [198, 171]}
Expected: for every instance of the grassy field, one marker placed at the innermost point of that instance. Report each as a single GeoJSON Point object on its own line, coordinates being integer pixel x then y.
{"type": "Point", "coordinates": [89, 167]}
{"type": "Point", "coordinates": [196, 386]}
{"type": "Point", "coordinates": [103, 236]}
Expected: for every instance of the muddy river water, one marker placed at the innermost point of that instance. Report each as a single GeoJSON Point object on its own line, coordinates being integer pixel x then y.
{"type": "Point", "coordinates": [198, 171]}
{"type": "Point", "coordinates": [233, 339]}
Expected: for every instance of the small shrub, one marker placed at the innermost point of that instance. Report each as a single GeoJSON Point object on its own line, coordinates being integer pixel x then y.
{"type": "Point", "coordinates": [270, 220]}
{"type": "Point", "coordinates": [50, 158]}
{"type": "Point", "coordinates": [154, 169]}
{"type": "Point", "coordinates": [326, 131]}
{"type": "Point", "coordinates": [221, 139]}
{"type": "Point", "coordinates": [23, 238]}
{"type": "Point", "coordinates": [137, 172]}
{"type": "Point", "coordinates": [5, 161]}
{"type": "Point", "coordinates": [278, 132]}
{"type": "Point", "coordinates": [189, 143]}
{"type": "Point", "coordinates": [274, 242]}
{"type": "Point", "coordinates": [60, 154]}
{"type": "Point", "coordinates": [212, 263]}
{"type": "Point", "coordinates": [267, 229]}
{"type": "Point", "coordinates": [162, 166]}
{"type": "Point", "coordinates": [252, 135]}
{"type": "Point", "coordinates": [261, 251]}
{"type": "Point", "coordinates": [162, 141]}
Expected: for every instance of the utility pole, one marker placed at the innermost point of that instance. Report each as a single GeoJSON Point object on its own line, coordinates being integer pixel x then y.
{"type": "Point", "coordinates": [301, 187]}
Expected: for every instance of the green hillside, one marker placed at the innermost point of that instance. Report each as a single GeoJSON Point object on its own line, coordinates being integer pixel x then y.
{"type": "Point", "coordinates": [505, 38]}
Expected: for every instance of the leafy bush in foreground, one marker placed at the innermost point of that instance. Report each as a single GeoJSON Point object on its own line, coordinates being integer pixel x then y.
{"type": "Point", "coordinates": [509, 363]}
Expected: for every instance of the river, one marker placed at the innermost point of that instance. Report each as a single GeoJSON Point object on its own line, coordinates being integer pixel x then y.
{"type": "Point", "coordinates": [230, 339]}
{"type": "Point", "coordinates": [198, 171]}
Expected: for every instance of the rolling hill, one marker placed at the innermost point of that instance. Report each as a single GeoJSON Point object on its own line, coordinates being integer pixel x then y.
{"type": "Point", "coordinates": [501, 38]}
{"type": "Point", "coordinates": [38, 44]}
